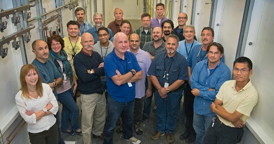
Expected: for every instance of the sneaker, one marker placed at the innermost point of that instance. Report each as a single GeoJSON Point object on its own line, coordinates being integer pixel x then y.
{"type": "Point", "coordinates": [157, 135]}
{"type": "Point", "coordinates": [170, 138]}
{"type": "Point", "coordinates": [134, 140]}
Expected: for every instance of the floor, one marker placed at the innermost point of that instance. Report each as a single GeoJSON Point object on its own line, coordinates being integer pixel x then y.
{"type": "Point", "coordinates": [148, 128]}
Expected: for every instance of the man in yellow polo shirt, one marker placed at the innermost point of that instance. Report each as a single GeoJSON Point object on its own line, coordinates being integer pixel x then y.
{"type": "Point", "coordinates": [233, 105]}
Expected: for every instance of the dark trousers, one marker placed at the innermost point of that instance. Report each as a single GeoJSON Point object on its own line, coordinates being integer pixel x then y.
{"type": "Point", "coordinates": [45, 137]}
{"type": "Point", "coordinates": [138, 110]}
{"type": "Point", "coordinates": [115, 110]}
{"type": "Point", "coordinates": [219, 133]}
{"type": "Point", "coordinates": [188, 110]}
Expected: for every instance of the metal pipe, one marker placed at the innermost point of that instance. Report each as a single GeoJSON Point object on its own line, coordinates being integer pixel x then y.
{"type": "Point", "coordinates": [15, 131]}
{"type": "Point", "coordinates": [14, 10]}
{"type": "Point", "coordinates": [38, 17]}
{"type": "Point", "coordinates": [13, 36]}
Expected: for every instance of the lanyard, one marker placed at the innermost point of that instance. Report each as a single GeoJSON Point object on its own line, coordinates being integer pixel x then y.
{"type": "Point", "coordinates": [199, 56]}
{"type": "Point", "coordinates": [166, 72]}
{"type": "Point", "coordinates": [188, 51]}
{"type": "Point", "coordinates": [105, 52]}
{"type": "Point", "coordinates": [73, 47]}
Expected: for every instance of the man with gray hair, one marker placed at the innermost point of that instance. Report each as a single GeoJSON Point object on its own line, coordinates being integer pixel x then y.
{"type": "Point", "coordinates": [98, 23]}
{"type": "Point", "coordinates": [89, 65]}
{"type": "Point", "coordinates": [168, 72]}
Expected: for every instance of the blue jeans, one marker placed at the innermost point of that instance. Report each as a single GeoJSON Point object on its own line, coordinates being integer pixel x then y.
{"type": "Point", "coordinates": [115, 111]}
{"type": "Point", "coordinates": [70, 112]}
{"type": "Point", "coordinates": [167, 111]}
{"type": "Point", "coordinates": [200, 125]}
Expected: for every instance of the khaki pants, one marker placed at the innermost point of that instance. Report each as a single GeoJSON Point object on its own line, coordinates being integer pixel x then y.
{"type": "Point", "coordinates": [93, 115]}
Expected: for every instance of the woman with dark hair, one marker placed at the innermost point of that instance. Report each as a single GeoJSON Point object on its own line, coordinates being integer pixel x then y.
{"type": "Point", "coordinates": [66, 91]}
{"type": "Point", "coordinates": [126, 27]}
{"type": "Point", "coordinates": [37, 105]}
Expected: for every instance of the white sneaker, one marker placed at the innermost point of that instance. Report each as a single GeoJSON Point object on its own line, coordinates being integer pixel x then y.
{"type": "Point", "coordinates": [134, 140]}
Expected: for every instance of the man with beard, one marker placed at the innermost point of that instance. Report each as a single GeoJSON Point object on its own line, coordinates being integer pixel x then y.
{"type": "Point", "coordinates": [80, 16]}
{"type": "Point", "coordinates": [206, 79]}
{"type": "Point", "coordinates": [154, 47]}
{"type": "Point", "coordinates": [167, 27]}
{"type": "Point", "coordinates": [98, 21]}
{"type": "Point", "coordinates": [72, 41]}
{"type": "Point", "coordinates": [160, 11]}
{"type": "Point", "coordinates": [168, 72]}
{"type": "Point", "coordinates": [144, 61]}
{"type": "Point", "coordinates": [145, 30]}
{"type": "Point", "coordinates": [48, 71]}
{"type": "Point", "coordinates": [185, 47]}
{"type": "Point", "coordinates": [89, 67]}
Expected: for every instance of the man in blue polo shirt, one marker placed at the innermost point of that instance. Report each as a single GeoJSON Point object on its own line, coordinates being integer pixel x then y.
{"type": "Point", "coordinates": [207, 77]}
{"type": "Point", "coordinates": [122, 71]}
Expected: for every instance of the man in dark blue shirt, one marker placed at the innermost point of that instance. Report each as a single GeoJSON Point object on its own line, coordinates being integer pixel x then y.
{"type": "Point", "coordinates": [88, 65]}
{"type": "Point", "coordinates": [168, 71]}
{"type": "Point", "coordinates": [122, 71]}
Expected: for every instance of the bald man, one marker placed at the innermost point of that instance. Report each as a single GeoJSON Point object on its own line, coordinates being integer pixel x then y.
{"type": "Point", "coordinates": [122, 72]}
{"type": "Point", "coordinates": [89, 67]}
{"type": "Point", "coordinates": [179, 31]}
{"type": "Point", "coordinates": [115, 25]}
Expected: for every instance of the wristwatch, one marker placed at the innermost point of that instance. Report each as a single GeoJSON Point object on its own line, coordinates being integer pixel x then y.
{"type": "Point", "coordinates": [45, 110]}
{"type": "Point", "coordinates": [133, 72]}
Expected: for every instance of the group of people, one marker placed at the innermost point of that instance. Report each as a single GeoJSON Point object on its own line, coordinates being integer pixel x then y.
{"type": "Point", "coordinates": [118, 71]}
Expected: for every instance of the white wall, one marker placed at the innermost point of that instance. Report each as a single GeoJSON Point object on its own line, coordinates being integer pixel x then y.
{"type": "Point", "coordinates": [261, 52]}
{"type": "Point", "coordinates": [228, 31]}
{"type": "Point", "coordinates": [201, 15]}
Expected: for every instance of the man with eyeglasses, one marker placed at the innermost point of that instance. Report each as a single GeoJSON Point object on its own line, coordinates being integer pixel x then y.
{"type": "Point", "coordinates": [182, 19]}
{"type": "Point", "coordinates": [185, 47]}
{"type": "Point", "coordinates": [206, 79]}
{"type": "Point", "coordinates": [98, 23]}
{"type": "Point", "coordinates": [233, 105]}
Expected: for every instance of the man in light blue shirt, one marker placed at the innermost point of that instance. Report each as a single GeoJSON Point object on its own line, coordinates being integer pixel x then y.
{"type": "Point", "coordinates": [80, 16]}
{"type": "Point", "coordinates": [186, 45]}
{"type": "Point", "coordinates": [144, 62]}
{"type": "Point", "coordinates": [207, 77]}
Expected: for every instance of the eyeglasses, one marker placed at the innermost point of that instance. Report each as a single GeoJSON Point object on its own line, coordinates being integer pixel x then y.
{"type": "Point", "coordinates": [182, 17]}
{"type": "Point", "coordinates": [236, 70]}
{"type": "Point", "coordinates": [100, 35]}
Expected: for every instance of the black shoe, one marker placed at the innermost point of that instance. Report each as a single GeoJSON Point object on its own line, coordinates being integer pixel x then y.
{"type": "Point", "coordinates": [98, 136]}
{"type": "Point", "coordinates": [139, 131]}
{"type": "Point", "coordinates": [119, 129]}
{"type": "Point", "coordinates": [191, 139]}
{"type": "Point", "coordinates": [184, 136]}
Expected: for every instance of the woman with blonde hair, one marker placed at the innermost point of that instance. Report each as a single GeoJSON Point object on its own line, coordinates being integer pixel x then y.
{"type": "Point", "coordinates": [37, 105]}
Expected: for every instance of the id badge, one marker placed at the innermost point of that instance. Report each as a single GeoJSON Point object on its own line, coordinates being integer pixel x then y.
{"type": "Point", "coordinates": [166, 84]}
{"type": "Point", "coordinates": [129, 84]}
{"type": "Point", "coordinates": [65, 76]}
